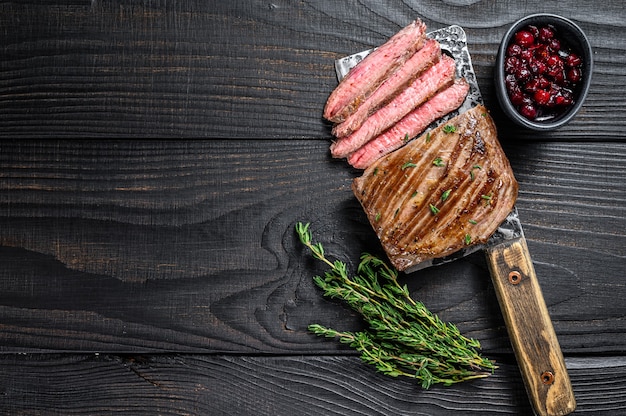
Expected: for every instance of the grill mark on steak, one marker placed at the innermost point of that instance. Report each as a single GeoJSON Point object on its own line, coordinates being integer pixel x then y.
{"type": "Point", "coordinates": [423, 59]}
{"type": "Point", "coordinates": [477, 173]}
{"type": "Point", "coordinates": [423, 156]}
{"type": "Point", "coordinates": [437, 77]}
{"type": "Point", "coordinates": [364, 78]}
{"type": "Point", "coordinates": [460, 161]}
{"type": "Point", "coordinates": [411, 125]}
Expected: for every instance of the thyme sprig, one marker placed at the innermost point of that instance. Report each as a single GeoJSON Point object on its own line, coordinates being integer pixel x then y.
{"type": "Point", "coordinates": [403, 337]}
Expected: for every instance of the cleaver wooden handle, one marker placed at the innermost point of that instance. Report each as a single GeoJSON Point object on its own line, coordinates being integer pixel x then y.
{"type": "Point", "coordinates": [530, 329]}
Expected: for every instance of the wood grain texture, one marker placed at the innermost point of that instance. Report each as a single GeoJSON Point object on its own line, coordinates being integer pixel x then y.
{"type": "Point", "coordinates": [246, 68]}
{"type": "Point", "coordinates": [272, 386]}
{"type": "Point", "coordinates": [189, 246]}
{"type": "Point", "coordinates": [530, 328]}
{"type": "Point", "coordinates": [176, 260]}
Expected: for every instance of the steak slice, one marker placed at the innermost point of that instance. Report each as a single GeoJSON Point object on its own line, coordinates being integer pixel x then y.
{"type": "Point", "coordinates": [411, 125]}
{"type": "Point", "coordinates": [448, 189]}
{"type": "Point", "coordinates": [434, 79]}
{"type": "Point", "coordinates": [365, 77]}
{"type": "Point", "coordinates": [402, 78]}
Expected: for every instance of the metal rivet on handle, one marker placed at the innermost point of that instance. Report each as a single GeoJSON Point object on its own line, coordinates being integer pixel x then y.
{"type": "Point", "coordinates": [515, 277]}
{"type": "Point", "coordinates": [547, 378]}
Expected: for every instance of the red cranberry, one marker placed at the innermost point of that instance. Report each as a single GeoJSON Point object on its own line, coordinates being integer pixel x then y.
{"type": "Point", "coordinates": [511, 64]}
{"type": "Point", "coordinates": [522, 74]}
{"type": "Point", "coordinates": [554, 61]}
{"type": "Point", "coordinates": [513, 50]}
{"type": "Point", "coordinates": [510, 81]}
{"type": "Point", "coordinates": [524, 38]}
{"type": "Point", "coordinates": [568, 95]}
{"type": "Point", "coordinates": [574, 75]}
{"type": "Point", "coordinates": [533, 30]}
{"type": "Point", "coordinates": [559, 76]}
{"type": "Point", "coordinates": [532, 85]}
{"type": "Point", "coordinates": [573, 60]}
{"type": "Point", "coordinates": [545, 34]}
{"type": "Point", "coordinates": [543, 82]}
{"type": "Point", "coordinates": [526, 55]}
{"type": "Point", "coordinates": [554, 45]}
{"type": "Point", "coordinates": [537, 67]}
{"type": "Point", "coordinates": [517, 96]}
{"type": "Point", "coordinates": [542, 53]}
{"type": "Point", "coordinates": [529, 111]}
{"type": "Point", "coordinates": [553, 92]}
{"type": "Point", "coordinates": [542, 97]}
{"type": "Point", "coordinates": [563, 99]}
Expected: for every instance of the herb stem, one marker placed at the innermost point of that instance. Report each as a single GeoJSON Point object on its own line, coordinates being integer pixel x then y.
{"type": "Point", "coordinates": [403, 337]}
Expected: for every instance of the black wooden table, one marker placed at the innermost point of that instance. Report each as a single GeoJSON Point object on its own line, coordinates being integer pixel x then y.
{"type": "Point", "coordinates": [155, 157]}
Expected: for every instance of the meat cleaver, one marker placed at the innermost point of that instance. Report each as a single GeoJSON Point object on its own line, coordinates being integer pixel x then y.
{"type": "Point", "coordinates": [528, 322]}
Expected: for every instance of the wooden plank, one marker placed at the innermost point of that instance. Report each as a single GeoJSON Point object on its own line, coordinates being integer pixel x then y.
{"type": "Point", "coordinates": [233, 385]}
{"type": "Point", "coordinates": [189, 246]}
{"type": "Point", "coordinates": [246, 69]}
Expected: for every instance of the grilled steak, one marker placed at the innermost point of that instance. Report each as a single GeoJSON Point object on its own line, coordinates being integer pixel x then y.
{"type": "Point", "coordinates": [412, 68]}
{"type": "Point", "coordinates": [411, 125]}
{"type": "Point", "coordinates": [434, 79]}
{"type": "Point", "coordinates": [364, 78]}
{"type": "Point", "coordinates": [445, 190]}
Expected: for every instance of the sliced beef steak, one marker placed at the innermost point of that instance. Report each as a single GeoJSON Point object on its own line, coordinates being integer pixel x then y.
{"type": "Point", "coordinates": [437, 77]}
{"type": "Point", "coordinates": [412, 68]}
{"type": "Point", "coordinates": [411, 125]}
{"type": "Point", "coordinates": [445, 190]}
{"type": "Point", "coordinates": [365, 77]}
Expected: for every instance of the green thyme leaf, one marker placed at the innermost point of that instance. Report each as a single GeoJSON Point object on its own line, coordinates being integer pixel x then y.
{"type": "Point", "coordinates": [449, 128]}
{"type": "Point", "coordinates": [407, 165]}
{"type": "Point", "coordinates": [472, 176]}
{"type": "Point", "coordinates": [433, 209]}
{"type": "Point", "coordinates": [439, 162]}
{"type": "Point", "coordinates": [445, 195]}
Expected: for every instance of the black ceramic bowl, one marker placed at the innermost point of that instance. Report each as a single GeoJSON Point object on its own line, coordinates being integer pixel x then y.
{"type": "Point", "coordinates": [573, 38]}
